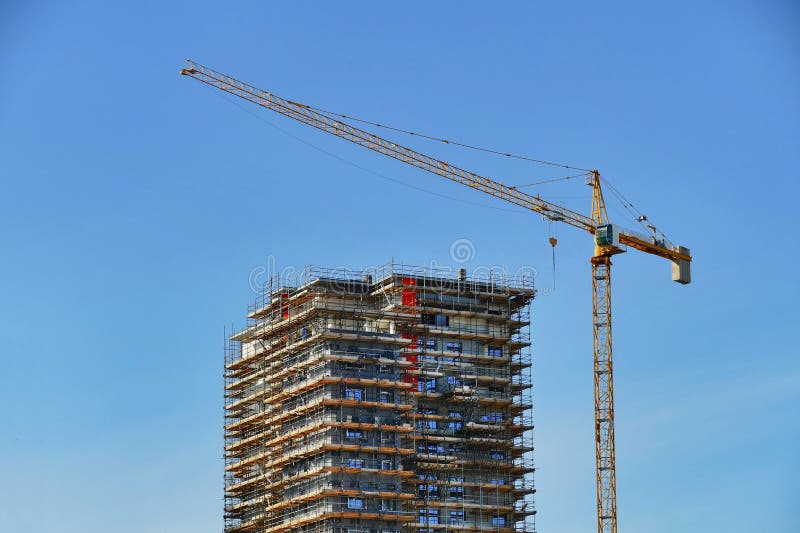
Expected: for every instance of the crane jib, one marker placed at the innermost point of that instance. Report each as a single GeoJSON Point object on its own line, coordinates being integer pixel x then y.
{"type": "Point", "coordinates": [307, 115]}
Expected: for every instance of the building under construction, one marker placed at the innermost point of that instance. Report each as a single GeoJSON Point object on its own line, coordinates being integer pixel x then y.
{"type": "Point", "coordinates": [392, 400]}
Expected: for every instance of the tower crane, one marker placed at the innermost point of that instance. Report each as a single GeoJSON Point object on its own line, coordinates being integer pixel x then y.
{"type": "Point", "coordinates": [609, 239]}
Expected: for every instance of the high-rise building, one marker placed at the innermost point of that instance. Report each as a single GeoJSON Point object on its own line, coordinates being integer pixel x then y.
{"type": "Point", "coordinates": [389, 401]}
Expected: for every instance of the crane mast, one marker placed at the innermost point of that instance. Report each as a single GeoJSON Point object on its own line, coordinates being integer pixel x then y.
{"type": "Point", "coordinates": [605, 449]}
{"type": "Point", "coordinates": [609, 240]}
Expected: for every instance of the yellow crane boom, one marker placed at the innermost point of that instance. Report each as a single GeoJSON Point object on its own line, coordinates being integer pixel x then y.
{"type": "Point", "coordinates": [609, 240]}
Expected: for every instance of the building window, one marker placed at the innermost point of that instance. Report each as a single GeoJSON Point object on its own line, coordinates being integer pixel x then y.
{"type": "Point", "coordinates": [495, 351]}
{"type": "Point", "coordinates": [441, 321]}
{"type": "Point", "coordinates": [353, 434]}
{"type": "Point", "coordinates": [496, 482]}
{"type": "Point", "coordinates": [386, 464]}
{"type": "Point", "coordinates": [453, 347]}
{"type": "Point", "coordinates": [454, 449]}
{"type": "Point", "coordinates": [426, 385]}
{"type": "Point", "coordinates": [428, 516]}
{"type": "Point", "coordinates": [492, 417]}
{"type": "Point", "coordinates": [497, 454]}
{"type": "Point", "coordinates": [354, 394]}
{"type": "Point", "coordinates": [355, 503]}
{"type": "Point", "coordinates": [386, 505]}
{"type": "Point", "coordinates": [455, 424]}
{"type": "Point", "coordinates": [355, 463]}
{"type": "Point", "coordinates": [385, 396]}
{"type": "Point", "coordinates": [431, 449]}
{"type": "Point", "coordinates": [456, 517]}
{"type": "Point", "coordinates": [429, 344]}
{"type": "Point", "coordinates": [432, 490]}
{"type": "Point", "coordinates": [426, 424]}
{"type": "Point", "coordinates": [498, 520]}
{"type": "Point", "coordinates": [454, 381]}
{"type": "Point", "coordinates": [457, 491]}
{"type": "Point", "coordinates": [383, 369]}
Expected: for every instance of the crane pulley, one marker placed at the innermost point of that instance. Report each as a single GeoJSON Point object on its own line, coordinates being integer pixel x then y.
{"type": "Point", "coordinates": [609, 239]}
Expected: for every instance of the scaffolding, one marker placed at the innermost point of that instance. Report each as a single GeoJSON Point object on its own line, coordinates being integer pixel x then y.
{"type": "Point", "coordinates": [381, 401]}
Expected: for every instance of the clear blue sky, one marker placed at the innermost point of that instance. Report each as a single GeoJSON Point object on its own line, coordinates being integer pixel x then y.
{"type": "Point", "coordinates": [136, 203]}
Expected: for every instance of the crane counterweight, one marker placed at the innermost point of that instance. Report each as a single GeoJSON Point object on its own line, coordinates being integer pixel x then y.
{"type": "Point", "coordinates": [682, 268]}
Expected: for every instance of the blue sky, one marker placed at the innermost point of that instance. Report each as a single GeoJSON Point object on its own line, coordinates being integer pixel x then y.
{"type": "Point", "coordinates": [136, 203]}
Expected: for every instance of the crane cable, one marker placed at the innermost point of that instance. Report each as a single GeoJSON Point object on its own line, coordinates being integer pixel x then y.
{"type": "Point", "coordinates": [550, 180]}
{"type": "Point", "coordinates": [553, 242]}
{"type": "Point", "coordinates": [356, 165]}
{"type": "Point", "coordinates": [637, 215]}
{"type": "Point", "coordinates": [331, 114]}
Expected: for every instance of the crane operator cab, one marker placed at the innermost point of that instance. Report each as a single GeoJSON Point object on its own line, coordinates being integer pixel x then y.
{"type": "Point", "coordinates": [606, 240]}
